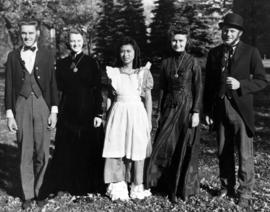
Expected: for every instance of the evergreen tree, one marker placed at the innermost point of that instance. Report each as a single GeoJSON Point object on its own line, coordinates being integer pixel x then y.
{"type": "Point", "coordinates": [163, 16]}
{"type": "Point", "coordinates": [202, 17]}
{"type": "Point", "coordinates": [117, 19]}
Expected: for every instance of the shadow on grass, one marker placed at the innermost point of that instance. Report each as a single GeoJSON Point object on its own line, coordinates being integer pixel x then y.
{"type": "Point", "coordinates": [9, 170]}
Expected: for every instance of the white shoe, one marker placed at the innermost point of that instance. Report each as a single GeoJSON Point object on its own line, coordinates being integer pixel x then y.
{"type": "Point", "coordinates": [118, 191]}
{"type": "Point", "coordinates": [138, 192]}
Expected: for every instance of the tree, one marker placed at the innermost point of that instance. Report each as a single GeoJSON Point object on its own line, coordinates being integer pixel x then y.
{"type": "Point", "coordinates": [163, 16]}
{"type": "Point", "coordinates": [117, 19]}
{"type": "Point", "coordinates": [202, 17]}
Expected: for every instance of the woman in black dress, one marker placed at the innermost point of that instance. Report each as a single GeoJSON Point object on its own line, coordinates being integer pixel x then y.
{"type": "Point", "coordinates": [77, 161]}
{"type": "Point", "coordinates": [173, 165]}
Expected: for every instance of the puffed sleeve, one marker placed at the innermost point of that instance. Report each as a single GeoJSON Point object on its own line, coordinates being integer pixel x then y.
{"type": "Point", "coordinates": [113, 74]}
{"type": "Point", "coordinates": [197, 87]}
{"type": "Point", "coordinates": [147, 79]}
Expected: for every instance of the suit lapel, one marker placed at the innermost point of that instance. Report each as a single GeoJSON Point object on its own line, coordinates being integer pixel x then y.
{"type": "Point", "coordinates": [238, 52]}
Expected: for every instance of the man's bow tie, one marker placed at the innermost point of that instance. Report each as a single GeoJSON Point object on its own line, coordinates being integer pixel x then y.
{"type": "Point", "coordinates": [31, 48]}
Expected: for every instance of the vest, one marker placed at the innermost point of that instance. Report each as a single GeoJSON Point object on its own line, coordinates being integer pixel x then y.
{"type": "Point", "coordinates": [30, 85]}
{"type": "Point", "coordinates": [226, 69]}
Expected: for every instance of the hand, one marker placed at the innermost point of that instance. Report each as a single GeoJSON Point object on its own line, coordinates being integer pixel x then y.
{"type": "Point", "coordinates": [52, 121]}
{"type": "Point", "coordinates": [97, 122]}
{"type": "Point", "coordinates": [232, 83]}
{"type": "Point", "coordinates": [195, 120]}
{"type": "Point", "coordinates": [208, 120]}
{"type": "Point", "coordinates": [12, 125]}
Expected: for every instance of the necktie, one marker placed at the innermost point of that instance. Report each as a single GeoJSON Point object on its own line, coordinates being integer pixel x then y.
{"type": "Point", "coordinates": [225, 70]}
{"type": "Point", "coordinates": [31, 48]}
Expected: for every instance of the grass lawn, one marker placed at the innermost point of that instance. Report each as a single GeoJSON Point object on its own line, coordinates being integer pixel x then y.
{"type": "Point", "coordinates": [208, 171]}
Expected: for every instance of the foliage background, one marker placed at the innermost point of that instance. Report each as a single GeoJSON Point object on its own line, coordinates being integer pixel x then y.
{"type": "Point", "coordinates": [104, 22]}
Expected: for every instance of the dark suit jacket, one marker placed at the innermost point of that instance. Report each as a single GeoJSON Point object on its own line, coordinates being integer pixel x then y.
{"type": "Point", "coordinates": [247, 68]}
{"type": "Point", "coordinates": [44, 75]}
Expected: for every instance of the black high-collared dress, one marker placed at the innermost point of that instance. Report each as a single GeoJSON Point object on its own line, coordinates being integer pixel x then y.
{"type": "Point", "coordinates": [173, 165]}
{"type": "Point", "coordinates": [77, 162]}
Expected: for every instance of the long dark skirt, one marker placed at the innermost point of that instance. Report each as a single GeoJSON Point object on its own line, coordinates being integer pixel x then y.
{"type": "Point", "coordinates": [77, 164]}
{"type": "Point", "coordinates": [173, 165]}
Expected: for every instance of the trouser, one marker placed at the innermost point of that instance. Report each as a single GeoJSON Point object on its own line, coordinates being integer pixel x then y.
{"type": "Point", "coordinates": [121, 169]}
{"type": "Point", "coordinates": [232, 132]}
{"type": "Point", "coordinates": [34, 140]}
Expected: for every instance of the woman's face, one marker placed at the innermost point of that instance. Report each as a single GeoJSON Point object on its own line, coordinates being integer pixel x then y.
{"type": "Point", "coordinates": [127, 54]}
{"type": "Point", "coordinates": [76, 42]}
{"type": "Point", "coordinates": [179, 42]}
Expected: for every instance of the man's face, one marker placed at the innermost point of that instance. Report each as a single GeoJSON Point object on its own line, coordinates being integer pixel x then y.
{"type": "Point", "coordinates": [29, 34]}
{"type": "Point", "coordinates": [230, 35]}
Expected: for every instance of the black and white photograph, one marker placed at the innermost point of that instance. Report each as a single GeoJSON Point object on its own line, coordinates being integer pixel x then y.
{"type": "Point", "coordinates": [134, 105]}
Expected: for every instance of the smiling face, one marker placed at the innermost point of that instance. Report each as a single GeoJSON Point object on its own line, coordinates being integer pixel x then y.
{"type": "Point", "coordinates": [127, 54]}
{"type": "Point", "coordinates": [29, 34]}
{"type": "Point", "coordinates": [76, 42]}
{"type": "Point", "coordinates": [179, 42]}
{"type": "Point", "coordinates": [230, 35]}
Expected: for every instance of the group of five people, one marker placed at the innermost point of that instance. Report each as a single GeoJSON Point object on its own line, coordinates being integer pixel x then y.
{"type": "Point", "coordinates": [234, 71]}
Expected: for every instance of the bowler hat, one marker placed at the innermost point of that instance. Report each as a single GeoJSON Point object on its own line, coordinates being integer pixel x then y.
{"type": "Point", "coordinates": [234, 20]}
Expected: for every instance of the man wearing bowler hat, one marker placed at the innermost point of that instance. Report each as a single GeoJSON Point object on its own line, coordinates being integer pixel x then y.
{"type": "Point", "coordinates": [234, 72]}
{"type": "Point", "coordinates": [31, 108]}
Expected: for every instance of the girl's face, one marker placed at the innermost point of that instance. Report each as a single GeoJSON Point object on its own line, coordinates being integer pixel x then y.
{"type": "Point", "coordinates": [127, 54]}
{"type": "Point", "coordinates": [179, 42]}
{"type": "Point", "coordinates": [76, 42]}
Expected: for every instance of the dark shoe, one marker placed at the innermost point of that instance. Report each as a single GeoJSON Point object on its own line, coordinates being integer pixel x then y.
{"type": "Point", "coordinates": [26, 204]}
{"type": "Point", "coordinates": [245, 203]}
{"type": "Point", "coordinates": [173, 198]}
{"type": "Point", "coordinates": [222, 193]}
{"type": "Point", "coordinates": [61, 193]}
{"type": "Point", "coordinates": [42, 203]}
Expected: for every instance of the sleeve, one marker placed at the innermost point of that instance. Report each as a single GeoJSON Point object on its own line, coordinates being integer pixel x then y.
{"type": "Point", "coordinates": [197, 87]}
{"type": "Point", "coordinates": [209, 86]}
{"type": "Point", "coordinates": [258, 77]}
{"type": "Point", "coordinates": [148, 82]}
{"type": "Point", "coordinates": [97, 89]}
{"type": "Point", "coordinates": [53, 83]}
{"type": "Point", "coordinates": [58, 75]}
{"type": "Point", "coordinates": [113, 75]}
{"type": "Point", "coordinates": [162, 76]}
{"type": "Point", "coordinates": [8, 83]}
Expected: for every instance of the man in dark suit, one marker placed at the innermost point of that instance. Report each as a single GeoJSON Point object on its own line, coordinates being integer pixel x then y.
{"type": "Point", "coordinates": [234, 71]}
{"type": "Point", "coordinates": [31, 108]}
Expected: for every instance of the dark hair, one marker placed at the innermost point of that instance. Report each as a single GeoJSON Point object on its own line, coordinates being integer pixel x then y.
{"type": "Point", "coordinates": [32, 22]}
{"type": "Point", "coordinates": [178, 28]}
{"type": "Point", "coordinates": [128, 41]}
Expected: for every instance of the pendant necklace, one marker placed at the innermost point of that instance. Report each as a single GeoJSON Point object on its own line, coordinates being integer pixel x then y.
{"type": "Point", "coordinates": [74, 66]}
{"type": "Point", "coordinates": [177, 67]}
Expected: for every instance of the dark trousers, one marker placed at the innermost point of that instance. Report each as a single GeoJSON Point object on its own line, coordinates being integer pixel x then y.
{"type": "Point", "coordinates": [34, 140]}
{"type": "Point", "coordinates": [232, 133]}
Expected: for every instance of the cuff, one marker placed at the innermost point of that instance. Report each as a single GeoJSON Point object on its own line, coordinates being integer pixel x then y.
{"type": "Point", "coordinates": [54, 109]}
{"type": "Point", "coordinates": [9, 113]}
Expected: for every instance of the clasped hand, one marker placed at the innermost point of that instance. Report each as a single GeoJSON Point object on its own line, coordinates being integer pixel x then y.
{"type": "Point", "coordinates": [195, 120]}
{"type": "Point", "coordinates": [232, 83]}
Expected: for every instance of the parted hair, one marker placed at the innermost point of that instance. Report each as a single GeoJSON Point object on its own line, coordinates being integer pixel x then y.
{"type": "Point", "coordinates": [128, 41]}
{"type": "Point", "coordinates": [28, 21]}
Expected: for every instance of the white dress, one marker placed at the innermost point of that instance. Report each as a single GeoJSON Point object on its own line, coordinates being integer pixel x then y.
{"type": "Point", "coordinates": [127, 130]}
